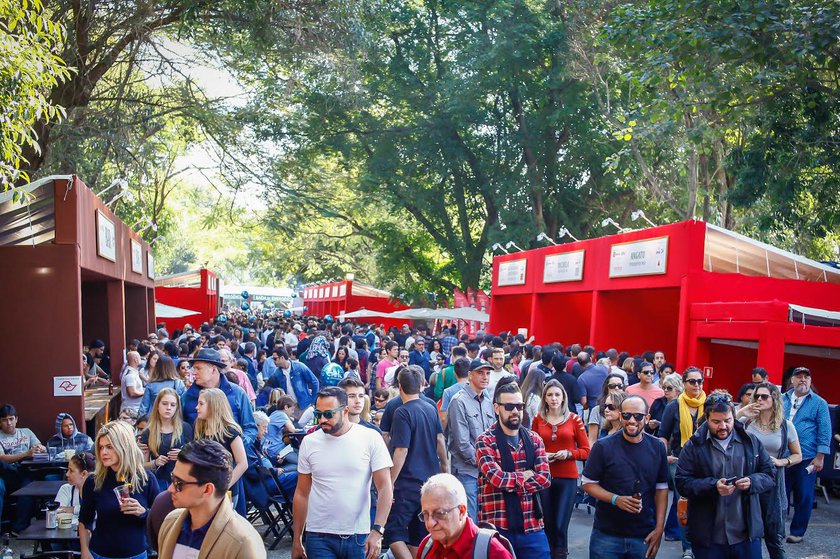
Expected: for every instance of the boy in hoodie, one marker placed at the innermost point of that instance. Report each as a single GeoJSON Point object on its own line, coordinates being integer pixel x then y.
{"type": "Point", "coordinates": [68, 437]}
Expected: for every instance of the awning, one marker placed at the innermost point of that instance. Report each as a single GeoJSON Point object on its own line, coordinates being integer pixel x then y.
{"type": "Point", "coordinates": [168, 311]}
{"type": "Point", "coordinates": [813, 317]}
{"type": "Point", "coordinates": [363, 313]}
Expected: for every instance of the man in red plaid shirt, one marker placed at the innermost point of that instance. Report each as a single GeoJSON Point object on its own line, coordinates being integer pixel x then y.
{"type": "Point", "coordinates": [512, 470]}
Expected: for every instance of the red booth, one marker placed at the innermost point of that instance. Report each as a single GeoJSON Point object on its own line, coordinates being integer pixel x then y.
{"type": "Point", "coordinates": [340, 298]}
{"type": "Point", "coordinates": [192, 298]}
{"type": "Point", "coordinates": [72, 272]}
{"type": "Point", "coordinates": [703, 295]}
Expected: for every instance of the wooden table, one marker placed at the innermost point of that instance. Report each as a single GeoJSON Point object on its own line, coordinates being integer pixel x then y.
{"type": "Point", "coordinates": [100, 407]}
{"type": "Point", "coordinates": [41, 489]}
{"type": "Point", "coordinates": [38, 533]}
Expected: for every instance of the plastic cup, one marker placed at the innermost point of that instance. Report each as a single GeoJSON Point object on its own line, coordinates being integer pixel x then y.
{"type": "Point", "coordinates": [69, 453]}
{"type": "Point", "coordinates": [123, 492]}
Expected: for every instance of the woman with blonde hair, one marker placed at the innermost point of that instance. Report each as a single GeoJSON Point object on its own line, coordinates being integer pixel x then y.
{"type": "Point", "coordinates": [215, 421]}
{"type": "Point", "coordinates": [118, 496]}
{"type": "Point", "coordinates": [780, 440]}
{"type": "Point", "coordinates": [565, 441]}
{"type": "Point", "coordinates": [164, 375]}
{"type": "Point", "coordinates": [166, 433]}
{"type": "Point", "coordinates": [611, 412]}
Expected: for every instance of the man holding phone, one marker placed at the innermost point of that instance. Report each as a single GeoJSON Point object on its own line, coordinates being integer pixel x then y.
{"type": "Point", "coordinates": [722, 470]}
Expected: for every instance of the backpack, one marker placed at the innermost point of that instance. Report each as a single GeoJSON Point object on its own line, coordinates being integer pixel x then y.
{"type": "Point", "coordinates": [481, 546]}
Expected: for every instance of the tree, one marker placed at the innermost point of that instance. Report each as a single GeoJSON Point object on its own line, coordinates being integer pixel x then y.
{"type": "Point", "coordinates": [29, 68]}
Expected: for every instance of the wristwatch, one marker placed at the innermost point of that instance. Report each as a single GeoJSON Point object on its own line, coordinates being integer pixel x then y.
{"type": "Point", "coordinates": [378, 528]}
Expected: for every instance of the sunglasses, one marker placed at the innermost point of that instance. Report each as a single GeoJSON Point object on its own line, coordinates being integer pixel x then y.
{"type": "Point", "coordinates": [328, 414]}
{"type": "Point", "coordinates": [668, 388]}
{"type": "Point", "coordinates": [611, 407]}
{"type": "Point", "coordinates": [179, 484]}
{"type": "Point", "coordinates": [646, 372]}
{"type": "Point", "coordinates": [615, 386]}
{"type": "Point", "coordinates": [380, 399]}
{"type": "Point", "coordinates": [762, 396]}
{"type": "Point", "coordinates": [511, 407]}
{"type": "Point", "coordinates": [626, 416]}
{"type": "Point", "coordinates": [695, 381]}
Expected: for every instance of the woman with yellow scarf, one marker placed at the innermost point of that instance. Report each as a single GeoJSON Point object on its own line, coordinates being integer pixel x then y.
{"type": "Point", "coordinates": [679, 421]}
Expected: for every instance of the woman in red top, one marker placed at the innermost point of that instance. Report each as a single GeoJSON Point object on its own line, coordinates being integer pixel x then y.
{"type": "Point", "coordinates": [566, 442]}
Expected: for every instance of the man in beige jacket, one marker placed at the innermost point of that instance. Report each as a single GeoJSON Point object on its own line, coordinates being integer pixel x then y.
{"type": "Point", "coordinates": [204, 524]}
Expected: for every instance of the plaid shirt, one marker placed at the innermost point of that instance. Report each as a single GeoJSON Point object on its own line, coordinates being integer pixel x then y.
{"type": "Point", "coordinates": [446, 345]}
{"type": "Point", "coordinates": [493, 482]}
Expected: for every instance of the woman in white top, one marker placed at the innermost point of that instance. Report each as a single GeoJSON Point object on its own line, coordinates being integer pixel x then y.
{"type": "Point", "coordinates": [780, 440]}
{"type": "Point", "coordinates": [78, 469]}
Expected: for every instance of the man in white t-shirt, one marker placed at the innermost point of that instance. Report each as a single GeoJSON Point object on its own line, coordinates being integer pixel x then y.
{"type": "Point", "coordinates": [131, 386]}
{"type": "Point", "coordinates": [335, 467]}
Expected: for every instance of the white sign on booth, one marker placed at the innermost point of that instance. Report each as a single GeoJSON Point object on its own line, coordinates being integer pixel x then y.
{"type": "Point", "coordinates": [567, 266]}
{"type": "Point", "coordinates": [67, 386]}
{"type": "Point", "coordinates": [512, 272]}
{"type": "Point", "coordinates": [639, 258]}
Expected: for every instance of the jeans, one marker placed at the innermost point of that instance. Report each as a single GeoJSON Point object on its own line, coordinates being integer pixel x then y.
{"type": "Point", "coordinates": [672, 523]}
{"type": "Point", "coordinates": [95, 555]}
{"type": "Point", "coordinates": [471, 487]}
{"type": "Point", "coordinates": [686, 545]}
{"type": "Point", "coordinates": [800, 488]}
{"type": "Point", "coordinates": [557, 503]}
{"type": "Point", "coordinates": [533, 545]}
{"type": "Point", "coordinates": [606, 546]}
{"type": "Point", "coordinates": [333, 546]}
{"type": "Point", "coordinates": [749, 549]}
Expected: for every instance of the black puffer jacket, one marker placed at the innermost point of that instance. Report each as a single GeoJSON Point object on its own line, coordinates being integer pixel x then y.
{"type": "Point", "coordinates": [696, 481]}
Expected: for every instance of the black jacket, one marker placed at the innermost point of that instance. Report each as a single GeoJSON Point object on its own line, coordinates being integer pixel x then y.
{"type": "Point", "coordinates": [696, 482]}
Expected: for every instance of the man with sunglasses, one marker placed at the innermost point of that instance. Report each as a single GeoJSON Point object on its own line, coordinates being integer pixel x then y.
{"type": "Point", "coordinates": [205, 523]}
{"type": "Point", "coordinates": [646, 388]}
{"type": "Point", "coordinates": [628, 474]}
{"type": "Point", "coordinates": [336, 464]}
{"type": "Point", "coordinates": [809, 414]}
{"type": "Point", "coordinates": [722, 470]}
{"type": "Point", "coordinates": [512, 470]}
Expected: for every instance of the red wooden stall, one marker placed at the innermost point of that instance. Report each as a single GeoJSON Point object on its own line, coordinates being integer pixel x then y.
{"type": "Point", "coordinates": [703, 295]}
{"type": "Point", "coordinates": [343, 297]}
{"type": "Point", "coordinates": [72, 272]}
{"type": "Point", "coordinates": [197, 290]}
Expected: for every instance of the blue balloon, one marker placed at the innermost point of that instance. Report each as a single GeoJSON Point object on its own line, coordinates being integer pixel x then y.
{"type": "Point", "coordinates": [245, 295]}
{"type": "Point", "coordinates": [252, 318]}
{"type": "Point", "coordinates": [222, 318]}
{"type": "Point", "coordinates": [287, 313]}
{"type": "Point", "coordinates": [245, 306]}
{"type": "Point", "coordinates": [329, 318]}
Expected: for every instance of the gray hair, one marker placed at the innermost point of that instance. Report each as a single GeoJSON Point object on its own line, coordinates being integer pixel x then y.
{"type": "Point", "coordinates": [260, 418]}
{"type": "Point", "coordinates": [447, 483]}
{"type": "Point", "coordinates": [674, 380]}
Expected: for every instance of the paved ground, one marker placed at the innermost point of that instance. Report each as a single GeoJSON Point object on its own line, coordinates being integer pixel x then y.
{"type": "Point", "coordinates": [821, 541]}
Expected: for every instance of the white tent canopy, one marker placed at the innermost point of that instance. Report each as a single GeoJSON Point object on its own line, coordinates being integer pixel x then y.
{"type": "Point", "coordinates": [168, 311]}
{"type": "Point", "coordinates": [464, 313]}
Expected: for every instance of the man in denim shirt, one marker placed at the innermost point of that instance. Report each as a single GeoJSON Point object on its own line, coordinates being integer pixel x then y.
{"type": "Point", "coordinates": [809, 414]}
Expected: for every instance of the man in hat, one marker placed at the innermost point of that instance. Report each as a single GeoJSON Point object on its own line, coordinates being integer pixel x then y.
{"type": "Point", "coordinates": [207, 369]}
{"type": "Point", "coordinates": [470, 413]}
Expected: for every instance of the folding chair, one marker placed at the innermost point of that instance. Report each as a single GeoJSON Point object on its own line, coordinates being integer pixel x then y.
{"type": "Point", "coordinates": [279, 507]}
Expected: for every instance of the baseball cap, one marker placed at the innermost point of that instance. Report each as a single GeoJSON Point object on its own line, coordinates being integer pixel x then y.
{"type": "Point", "coordinates": [478, 364]}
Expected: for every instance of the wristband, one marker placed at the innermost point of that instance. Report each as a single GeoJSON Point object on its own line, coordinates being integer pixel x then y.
{"type": "Point", "coordinates": [614, 498]}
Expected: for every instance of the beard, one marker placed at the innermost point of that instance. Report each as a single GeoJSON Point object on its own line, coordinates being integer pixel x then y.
{"type": "Point", "coordinates": [512, 422]}
{"type": "Point", "coordinates": [335, 428]}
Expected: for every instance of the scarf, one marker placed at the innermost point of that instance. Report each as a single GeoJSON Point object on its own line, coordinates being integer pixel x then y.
{"type": "Point", "coordinates": [319, 347]}
{"type": "Point", "coordinates": [686, 422]}
{"type": "Point", "coordinates": [513, 506]}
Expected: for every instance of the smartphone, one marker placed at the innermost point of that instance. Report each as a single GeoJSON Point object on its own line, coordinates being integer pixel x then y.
{"type": "Point", "coordinates": [730, 480]}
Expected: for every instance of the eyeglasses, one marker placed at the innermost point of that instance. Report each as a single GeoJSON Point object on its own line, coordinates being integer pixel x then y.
{"type": "Point", "coordinates": [626, 416]}
{"type": "Point", "coordinates": [646, 372]}
{"type": "Point", "coordinates": [695, 381]}
{"type": "Point", "coordinates": [615, 386]}
{"type": "Point", "coordinates": [328, 414]}
{"type": "Point", "coordinates": [668, 388]}
{"type": "Point", "coordinates": [511, 407]}
{"type": "Point", "coordinates": [611, 407]}
{"type": "Point", "coordinates": [179, 484]}
{"type": "Point", "coordinates": [762, 396]}
{"type": "Point", "coordinates": [438, 515]}
{"type": "Point", "coordinates": [403, 357]}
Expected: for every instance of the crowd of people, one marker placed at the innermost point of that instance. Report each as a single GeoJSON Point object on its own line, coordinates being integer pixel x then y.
{"type": "Point", "coordinates": [415, 442]}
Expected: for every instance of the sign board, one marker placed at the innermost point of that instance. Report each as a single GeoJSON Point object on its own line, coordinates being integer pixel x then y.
{"type": "Point", "coordinates": [567, 266]}
{"type": "Point", "coordinates": [106, 237]}
{"type": "Point", "coordinates": [342, 290]}
{"type": "Point", "coordinates": [67, 386]}
{"type": "Point", "coordinates": [708, 372]}
{"type": "Point", "coordinates": [335, 291]}
{"type": "Point", "coordinates": [150, 265]}
{"type": "Point", "coordinates": [512, 272]}
{"type": "Point", "coordinates": [639, 258]}
{"type": "Point", "coordinates": [136, 257]}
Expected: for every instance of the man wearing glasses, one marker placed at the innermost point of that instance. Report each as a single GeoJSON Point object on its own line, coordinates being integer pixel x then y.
{"type": "Point", "coordinates": [628, 474]}
{"type": "Point", "coordinates": [419, 356]}
{"type": "Point", "coordinates": [722, 470]}
{"type": "Point", "coordinates": [332, 502]}
{"type": "Point", "coordinates": [512, 470]}
{"type": "Point", "coordinates": [205, 523]}
{"type": "Point", "coordinates": [646, 388]}
{"type": "Point", "coordinates": [452, 533]}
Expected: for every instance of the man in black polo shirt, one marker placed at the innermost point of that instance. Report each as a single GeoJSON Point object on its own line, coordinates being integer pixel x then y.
{"type": "Point", "coordinates": [628, 474]}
